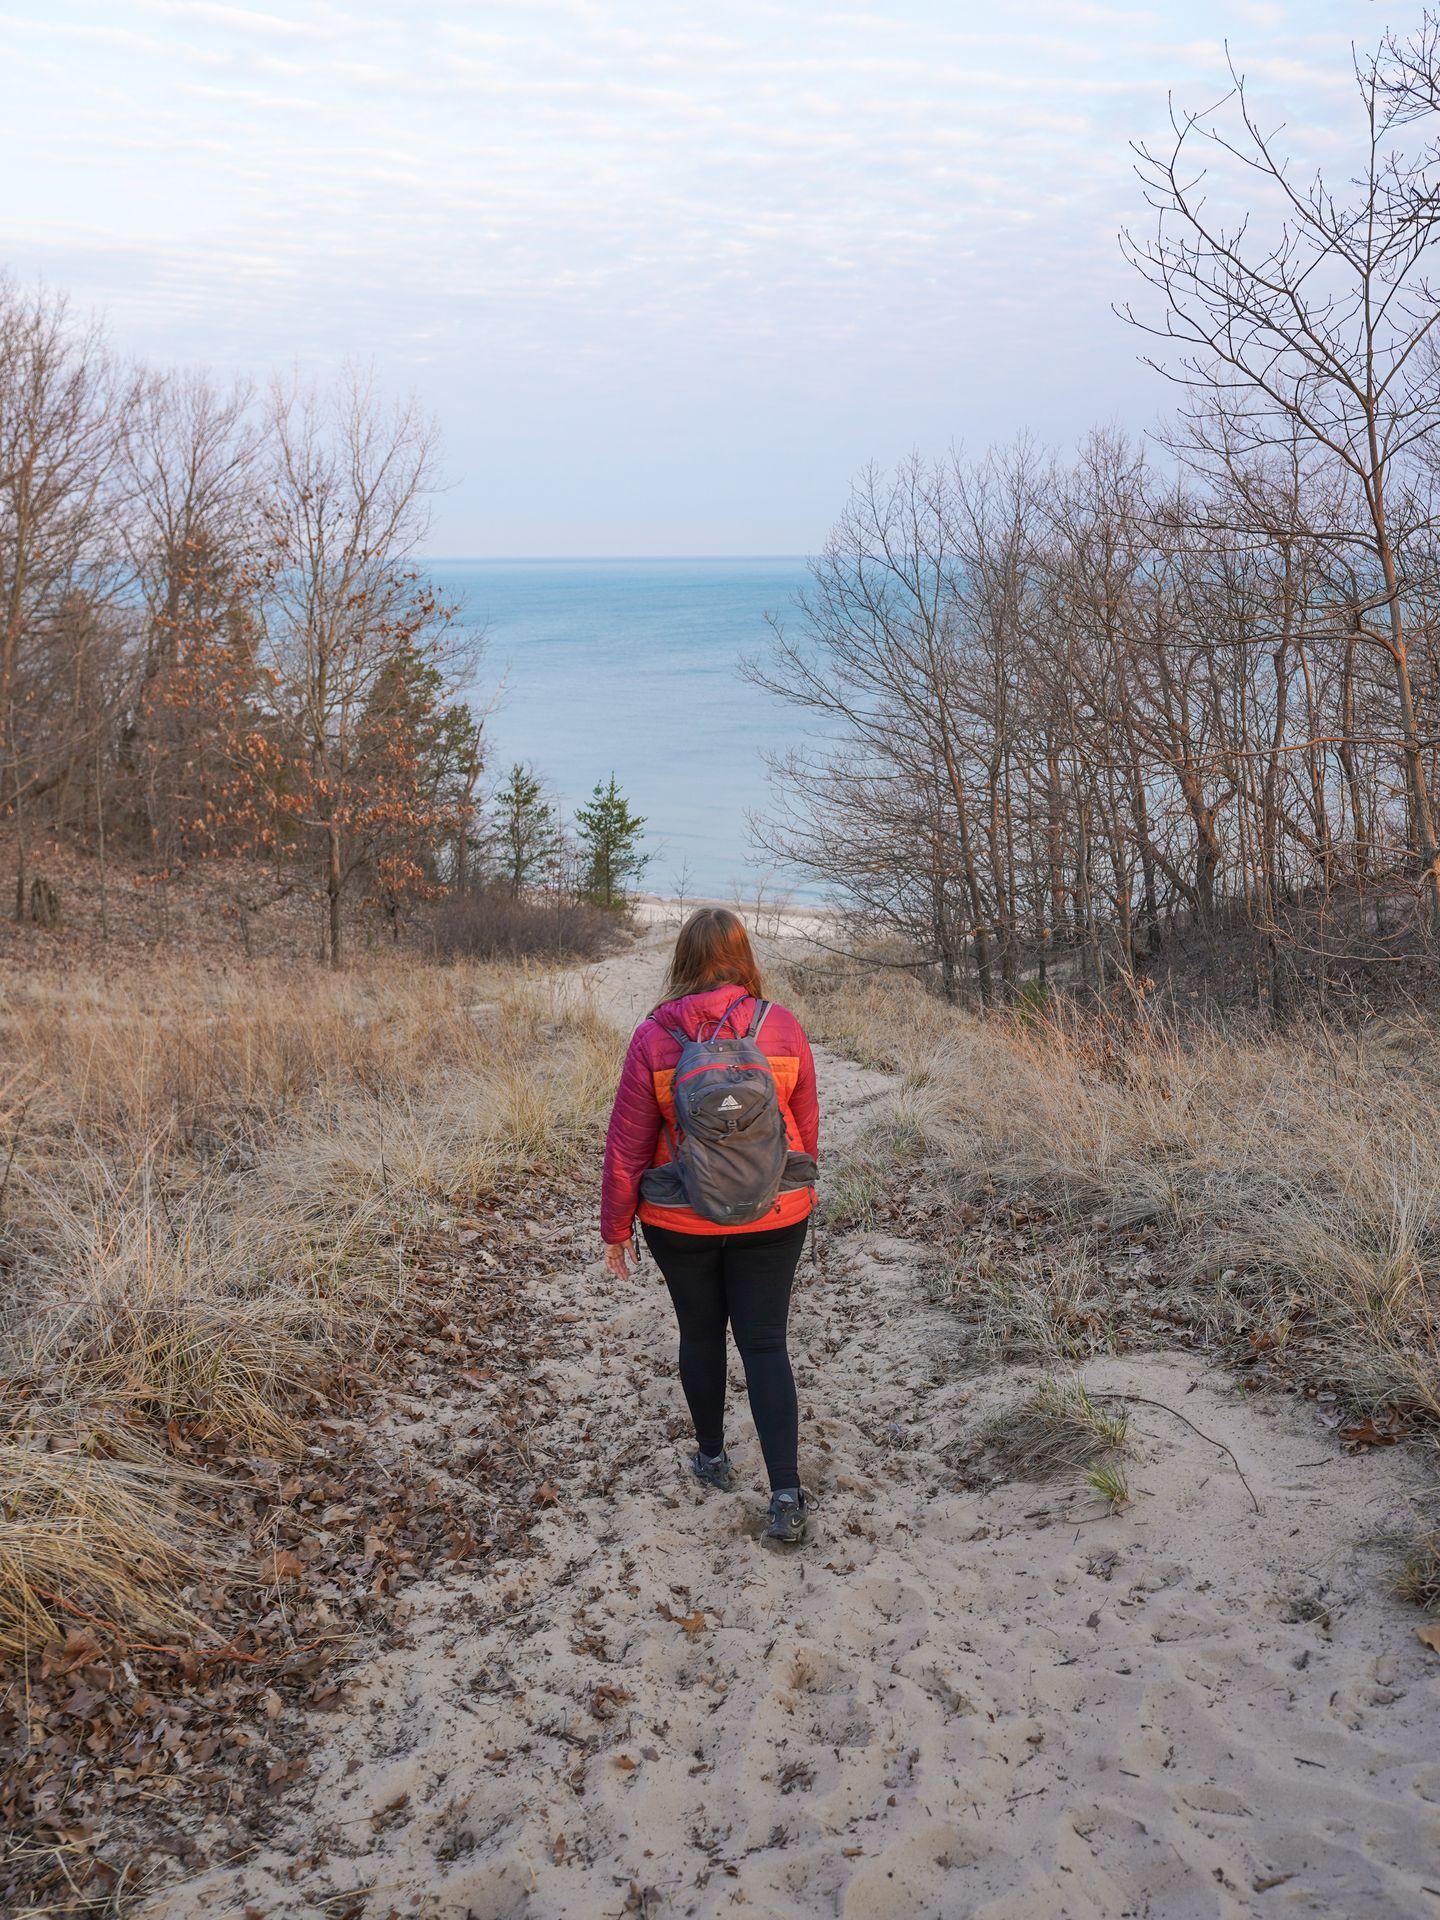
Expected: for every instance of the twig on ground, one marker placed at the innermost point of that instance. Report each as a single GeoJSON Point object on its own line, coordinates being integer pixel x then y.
{"type": "Point", "coordinates": [1140, 1400]}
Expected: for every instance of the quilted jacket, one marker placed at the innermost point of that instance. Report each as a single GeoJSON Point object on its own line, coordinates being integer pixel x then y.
{"type": "Point", "coordinates": [636, 1138]}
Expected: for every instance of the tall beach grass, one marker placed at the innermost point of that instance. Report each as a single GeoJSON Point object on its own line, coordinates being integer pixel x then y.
{"type": "Point", "coordinates": [212, 1182]}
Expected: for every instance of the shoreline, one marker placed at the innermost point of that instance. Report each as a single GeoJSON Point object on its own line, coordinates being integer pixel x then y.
{"type": "Point", "coordinates": [782, 919]}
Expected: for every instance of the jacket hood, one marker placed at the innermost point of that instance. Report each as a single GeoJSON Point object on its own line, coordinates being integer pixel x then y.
{"type": "Point", "coordinates": [696, 1010]}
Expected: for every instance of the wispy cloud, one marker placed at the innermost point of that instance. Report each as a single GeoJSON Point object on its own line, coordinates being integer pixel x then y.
{"type": "Point", "coordinates": [589, 226]}
{"type": "Point", "coordinates": [245, 20]}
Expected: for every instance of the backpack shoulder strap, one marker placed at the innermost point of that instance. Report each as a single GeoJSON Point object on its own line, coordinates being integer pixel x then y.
{"type": "Point", "coordinates": [720, 1024]}
{"type": "Point", "coordinates": [675, 1033]}
{"type": "Point", "coordinates": [762, 1009]}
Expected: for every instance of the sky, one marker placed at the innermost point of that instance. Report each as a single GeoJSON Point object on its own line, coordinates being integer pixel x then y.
{"type": "Point", "coordinates": [667, 274]}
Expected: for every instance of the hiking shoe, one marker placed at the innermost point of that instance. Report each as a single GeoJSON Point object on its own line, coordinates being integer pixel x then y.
{"type": "Point", "coordinates": [717, 1472]}
{"type": "Point", "coordinates": [789, 1517]}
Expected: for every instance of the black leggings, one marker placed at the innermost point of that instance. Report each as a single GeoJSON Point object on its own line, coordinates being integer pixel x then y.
{"type": "Point", "coordinates": [744, 1278]}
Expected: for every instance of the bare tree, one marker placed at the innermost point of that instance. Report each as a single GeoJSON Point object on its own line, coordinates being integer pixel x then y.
{"type": "Point", "coordinates": [353, 638]}
{"type": "Point", "coordinates": [191, 458]}
{"type": "Point", "coordinates": [1311, 315]}
{"type": "Point", "coordinates": [876, 661]}
{"type": "Point", "coordinates": [63, 412]}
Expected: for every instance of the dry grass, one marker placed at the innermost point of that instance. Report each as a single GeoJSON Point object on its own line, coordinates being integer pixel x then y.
{"type": "Point", "coordinates": [1295, 1175]}
{"type": "Point", "coordinates": [867, 1178]}
{"type": "Point", "coordinates": [211, 1185]}
{"type": "Point", "coordinates": [883, 1018]}
{"type": "Point", "coordinates": [83, 1533]}
{"type": "Point", "coordinates": [1058, 1429]}
{"type": "Point", "coordinates": [1056, 1308]}
{"type": "Point", "coordinates": [1286, 1183]}
{"type": "Point", "coordinates": [1298, 1175]}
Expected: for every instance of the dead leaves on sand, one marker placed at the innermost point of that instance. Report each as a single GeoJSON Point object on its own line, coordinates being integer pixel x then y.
{"type": "Point", "coordinates": [113, 1738]}
{"type": "Point", "coordinates": [606, 1701]}
{"type": "Point", "coordinates": [693, 1622]}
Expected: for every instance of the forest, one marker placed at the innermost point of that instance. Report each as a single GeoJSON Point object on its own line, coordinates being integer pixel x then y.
{"type": "Point", "coordinates": [1073, 708]}
{"type": "Point", "coordinates": [218, 645]}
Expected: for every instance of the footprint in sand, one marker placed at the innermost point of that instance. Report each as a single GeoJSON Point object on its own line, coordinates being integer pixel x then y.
{"type": "Point", "coordinates": [930, 1871]}
{"type": "Point", "coordinates": [830, 1701]}
{"type": "Point", "coordinates": [812, 1670]}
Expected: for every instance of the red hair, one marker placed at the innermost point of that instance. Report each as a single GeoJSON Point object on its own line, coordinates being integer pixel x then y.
{"type": "Point", "coordinates": [713, 950]}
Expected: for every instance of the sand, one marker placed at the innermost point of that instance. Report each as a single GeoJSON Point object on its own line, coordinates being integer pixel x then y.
{"type": "Point", "coordinates": [1004, 1705]}
{"type": "Point", "coordinates": [780, 918]}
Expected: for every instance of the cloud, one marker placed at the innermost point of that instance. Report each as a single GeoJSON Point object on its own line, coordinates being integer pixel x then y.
{"type": "Point", "coordinates": [237, 19]}
{"type": "Point", "coordinates": [536, 196]}
{"type": "Point", "coordinates": [92, 32]}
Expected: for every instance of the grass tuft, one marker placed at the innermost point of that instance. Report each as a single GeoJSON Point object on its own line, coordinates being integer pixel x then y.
{"type": "Point", "coordinates": [86, 1536]}
{"type": "Point", "coordinates": [1056, 1429]}
{"type": "Point", "coordinates": [1107, 1477]}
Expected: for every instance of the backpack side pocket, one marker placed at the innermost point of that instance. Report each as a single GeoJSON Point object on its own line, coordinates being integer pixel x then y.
{"type": "Point", "coordinates": [662, 1185]}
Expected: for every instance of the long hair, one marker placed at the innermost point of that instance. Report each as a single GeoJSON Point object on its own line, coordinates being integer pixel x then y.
{"type": "Point", "coordinates": [713, 950]}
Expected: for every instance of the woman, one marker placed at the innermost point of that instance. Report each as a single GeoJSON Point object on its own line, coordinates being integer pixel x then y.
{"type": "Point", "coordinates": [740, 1274]}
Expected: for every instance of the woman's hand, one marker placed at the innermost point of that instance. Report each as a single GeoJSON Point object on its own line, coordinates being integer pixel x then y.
{"type": "Point", "coordinates": [620, 1263]}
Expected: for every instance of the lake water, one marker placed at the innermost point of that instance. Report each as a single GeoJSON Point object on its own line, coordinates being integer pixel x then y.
{"type": "Point", "coordinates": [635, 666]}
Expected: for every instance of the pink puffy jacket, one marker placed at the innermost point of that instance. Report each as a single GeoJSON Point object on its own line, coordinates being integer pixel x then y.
{"type": "Point", "coordinates": [636, 1139]}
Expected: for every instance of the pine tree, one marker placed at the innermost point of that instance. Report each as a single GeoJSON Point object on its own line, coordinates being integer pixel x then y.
{"type": "Point", "coordinates": [610, 844]}
{"type": "Point", "coordinates": [526, 829]}
{"type": "Point", "coordinates": [408, 786]}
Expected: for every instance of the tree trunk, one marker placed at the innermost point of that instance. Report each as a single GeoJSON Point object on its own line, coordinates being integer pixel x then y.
{"type": "Point", "coordinates": [100, 846]}
{"type": "Point", "coordinates": [1421, 812]}
{"type": "Point", "coordinates": [332, 888]}
{"type": "Point", "coordinates": [1346, 749]}
{"type": "Point", "coordinates": [21, 850]}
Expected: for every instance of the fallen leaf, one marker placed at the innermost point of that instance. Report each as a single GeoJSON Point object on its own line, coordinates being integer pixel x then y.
{"type": "Point", "coordinates": [383, 1815]}
{"type": "Point", "coordinates": [693, 1623]}
{"type": "Point", "coordinates": [1429, 1637]}
{"type": "Point", "coordinates": [80, 1648]}
{"type": "Point", "coordinates": [625, 1763]}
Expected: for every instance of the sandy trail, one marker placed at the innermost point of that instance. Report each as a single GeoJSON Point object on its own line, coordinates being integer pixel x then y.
{"type": "Point", "coordinates": [1002, 1705]}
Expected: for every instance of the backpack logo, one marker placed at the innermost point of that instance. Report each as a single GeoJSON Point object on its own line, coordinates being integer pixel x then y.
{"type": "Point", "coordinates": [729, 1104]}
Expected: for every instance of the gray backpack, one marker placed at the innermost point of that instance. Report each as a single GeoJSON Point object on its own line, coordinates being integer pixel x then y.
{"type": "Point", "coordinates": [732, 1158]}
